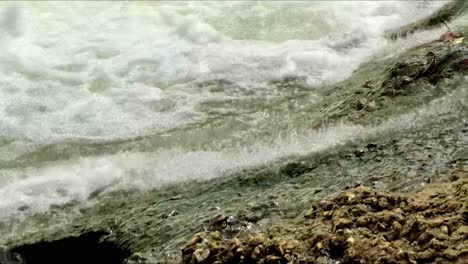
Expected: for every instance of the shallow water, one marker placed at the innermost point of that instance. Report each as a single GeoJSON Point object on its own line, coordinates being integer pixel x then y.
{"type": "Point", "coordinates": [98, 95]}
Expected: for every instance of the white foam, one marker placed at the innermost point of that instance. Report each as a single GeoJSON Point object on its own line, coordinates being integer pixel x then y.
{"type": "Point", "coordinates": [75, 181]}
{"type": "Point", "coordinates": [79, 69]}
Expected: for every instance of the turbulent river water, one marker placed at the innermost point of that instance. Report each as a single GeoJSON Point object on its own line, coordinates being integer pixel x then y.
{"type": "Point", "coordinates": [136, 95]}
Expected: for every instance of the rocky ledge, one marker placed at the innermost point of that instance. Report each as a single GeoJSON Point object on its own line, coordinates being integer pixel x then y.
{"type": "Point", "coordinates": [358, 225]}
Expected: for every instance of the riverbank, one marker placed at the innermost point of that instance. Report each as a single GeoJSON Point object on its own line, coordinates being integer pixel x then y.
{"type": "Point", "coordinates": [358, 225]}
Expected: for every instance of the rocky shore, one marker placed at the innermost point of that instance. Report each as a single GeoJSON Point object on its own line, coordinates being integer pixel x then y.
{"type": "Point", "coordinates": [395, 192]}
{"type": "Point", "coordinates": [359, 225]}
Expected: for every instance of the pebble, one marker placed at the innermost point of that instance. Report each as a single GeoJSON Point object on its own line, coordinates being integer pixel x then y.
{"type": "Point", "coordinates": [201, 254]}
{"type": "Point", "coordinates": [231, 220]}
{"type": "Point", "coordinates": [396, 226]}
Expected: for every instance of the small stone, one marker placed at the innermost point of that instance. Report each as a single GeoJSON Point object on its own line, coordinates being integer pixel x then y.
{"type": "Point", "coordinates": [465, 168]}
{"type": "Point", "coordinates": [406, 80]}
{"type": "Point", "coordinates": [372, 105]}
{"type": "Point", "coordinates": [289, 245]}
{"type": "Point", "coordinates": [367, 84]}
{"type": "Point", "coordinates": [450, 254]}
{"type": "Point", "coordinates": [319, 245]}
{"type": "Point", "coordinates": [425, 237]}
{"type": "Point", "coordinates": [196, 239]}
{"type": "Point", "coordinates": [361, 221]}
{"type": "Point", "coordinates": [420, 156]}
{"type": "Point", "coordinates": [328, 214]}
{"type": "Point", "coordinates": [172, 213]}
{"type": "Point", "coordinates": [264, 222]}
{"type": "Point", "coordinates": [23, 208]}
{"type": "Point", "coordinates": [231, 220]}
{"type": "Point", "coordinates": [396, 226]}
{"type": "Point", "coordinates": [258, 250]}
{"type": "Point", "coordinates": [382, 226]}
{"type": "Point", "coordinates": [350, 240]}
{"type": "Point", "coordinates": [350, 196]}
{"type": "Point", "coordinates": [256, 239]}
{"type": "Point", "coordinates": [177, 197]}
{"type": "Point", "coordinates": [272, 259]}
{"type": "Point", "coordinates": [359, 152]}
{"type": "Point", "coordinates": [201, 255]}
{"type": "Point", "coordinates": [253, 216]}
{"type": "Point", "coordinates": [462, 231]}
{"type": "Point", "coordinates": [363, 101]}
{"type": "Point", "coordinates": [454, 177]}
{"type": "Point", "coordinates": [220, 218]}
{"type": "Point", "coordinates": [342, 223]}
{"type": "Point", "coordinates": [318, 190]}
{"type": "Point", "coordinates": [412, 173]}
{"type": "Point", "coordinates": [383, 203]}
{"type": "Point", "coordinates": [236, 242]}
{"type": "Point", "coordinates": [448, 36]}
{"type": "Point", "coordinates": [445, 229]}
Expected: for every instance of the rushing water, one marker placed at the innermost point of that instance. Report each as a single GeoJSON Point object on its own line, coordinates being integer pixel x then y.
{"type": "Point", "coordinates": [141, 94]}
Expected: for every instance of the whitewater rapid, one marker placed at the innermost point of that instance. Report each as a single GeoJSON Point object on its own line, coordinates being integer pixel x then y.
{"type": "Point", "coordinates": [111, 71]}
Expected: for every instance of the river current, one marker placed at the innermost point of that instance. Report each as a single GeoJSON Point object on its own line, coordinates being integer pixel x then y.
{"type": "Point", "coordinates": [136, 95]}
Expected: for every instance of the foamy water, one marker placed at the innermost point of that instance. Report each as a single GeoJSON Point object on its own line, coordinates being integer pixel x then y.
{"type": "Point", "coordinates": [105, 71]}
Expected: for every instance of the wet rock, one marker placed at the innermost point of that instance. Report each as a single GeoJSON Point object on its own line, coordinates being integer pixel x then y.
{"type": "Point", "coordinates": [361, 104]}
{"type": "Point", "coordinates": [177, 197]}
{"type": "Point", "coordinates": [396, 226]}
{"type": "Point", "coordinates": [89, 247]}
{"type": "Point", "coordinates": [201, 255]}
{"type": "Point", "coordinates": [252, 215]}
{"type": "Point", "coordinates": [361, 225]}
{"type": "Point", "coordinates": [172, 213]}
{"type": "Point", "coordinates": [232, 220]}
{"type": "Point", "coordinates": [448, 36]}
{"type": "Point", "coordinates": [372, 105]}
{"type": "Point", "coordinates": [445, 14]}
{"type": "Point", "coordinates": [23, 208]}
{"type": "Point", "coordinates": [426, 66]}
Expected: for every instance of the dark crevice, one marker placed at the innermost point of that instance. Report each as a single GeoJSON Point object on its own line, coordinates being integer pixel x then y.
{"type": "Point", "coordinates": [88, 248]}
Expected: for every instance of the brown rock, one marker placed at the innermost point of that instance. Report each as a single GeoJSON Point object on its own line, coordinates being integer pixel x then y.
{"type": "Point", "coordinates": [201, 255]}
{"type": "Point", "coordinates": [396, 226]}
